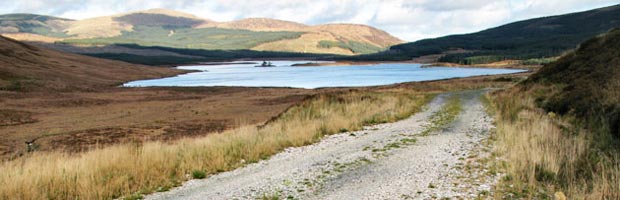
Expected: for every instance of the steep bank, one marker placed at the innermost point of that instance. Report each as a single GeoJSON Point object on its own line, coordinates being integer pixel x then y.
{"type": "Point", "coordinates": [584, 83]}
{"type": "Point", "coordinates": [557, 132]}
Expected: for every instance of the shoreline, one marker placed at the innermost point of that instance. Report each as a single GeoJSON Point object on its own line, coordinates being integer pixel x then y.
{"type": "Point", "coordinates": [506, 65]}
{"type": "Point", "coordinates": [123, 107]}
{"type": "Point", "coordinates": [348, 63]}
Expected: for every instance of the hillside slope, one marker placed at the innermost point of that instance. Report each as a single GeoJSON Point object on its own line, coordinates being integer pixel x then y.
{"type": "Point", "coordinates": [257, 24]}
{"type": "Point", "coordinates": [534, 38]}
{"type": "Point", "coordinates": [584, 83]}
{"type": "Point", "coordinates": [34, 24]}
{"type": "Point", "coordinates": [167, 28]}
{"type": "Point", "coordinates": [557, 132]}
{"type": "Point", "coordinates": [24, 68]}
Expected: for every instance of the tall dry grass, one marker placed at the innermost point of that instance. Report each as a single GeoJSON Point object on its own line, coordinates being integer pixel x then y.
{"type": "Point", "coordinates": [135, 169]}
{"type": "Point", "coordinates": [545, 154]}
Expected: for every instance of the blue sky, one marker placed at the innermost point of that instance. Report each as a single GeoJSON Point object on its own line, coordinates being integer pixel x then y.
{"type": "Point", "coordinates": [409, 20]}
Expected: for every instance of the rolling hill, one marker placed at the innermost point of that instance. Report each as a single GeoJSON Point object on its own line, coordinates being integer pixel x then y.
{"type": "Point", "coordinates": [45, 26]}
{"type": "Point", "coordinates": [167, 28]}
{"type": "Point", "coordinates": [25, 67]}
{"type": "Point", "coordinates": [534, 38]}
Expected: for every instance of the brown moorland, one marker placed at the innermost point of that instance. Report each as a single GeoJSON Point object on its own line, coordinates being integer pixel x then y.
{"type": "Point", "coordinates": [99, 114]}
{"type": "Point", "coordinates": [557, 132]}
{"type": "Point", "coordinates": [61, 107]}
{"type": "Point", "coordinates": [25, 67]}
{"type": "Point", "coordinates": [72, 102]}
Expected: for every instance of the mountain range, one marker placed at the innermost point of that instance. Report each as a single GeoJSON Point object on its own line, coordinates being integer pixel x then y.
{"type": "Point", "coordinates": [528, 39]}
{"type": "Point", "coordinates": [168, 28]}
{"type": "Point", "coordinates": [166, 37]}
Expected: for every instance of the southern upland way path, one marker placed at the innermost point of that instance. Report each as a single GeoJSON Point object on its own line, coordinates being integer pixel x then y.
{"type": "Point", "coordinates": [379, 162]}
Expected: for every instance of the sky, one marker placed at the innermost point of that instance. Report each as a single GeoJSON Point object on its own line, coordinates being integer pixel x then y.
{"type": "Point", "coordinates": [409, 20]}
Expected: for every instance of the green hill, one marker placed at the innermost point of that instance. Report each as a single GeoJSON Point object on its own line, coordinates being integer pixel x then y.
{"type": "Point", "coordinates": [203, 38]}
{"type": "Point", "coordinates": [584, 83]}
{"type": "Point", "coordinates": [159, 20]}
{"type": "Point", "coordinates": [534, 38]}
{"type": "Point", "coordinates": [168, 28]}
{"type": "Point", "coordinates": [22, 17]}
{"type": "Point", "coordinates": [35, 24]}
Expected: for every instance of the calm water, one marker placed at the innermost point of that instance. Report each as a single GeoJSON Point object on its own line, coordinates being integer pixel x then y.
{"type": "Point", "coordinates": [311, 77]}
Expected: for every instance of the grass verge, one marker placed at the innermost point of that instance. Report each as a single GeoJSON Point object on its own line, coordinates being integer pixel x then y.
{"type": "Point", "coordinates": [131, 170]}
{"type": "Point", "coordinates": [545, 155]}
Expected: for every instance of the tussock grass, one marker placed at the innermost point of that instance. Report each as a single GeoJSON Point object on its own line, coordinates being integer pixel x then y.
{"type": "Point", "coordinates": [130, 170]}
{"type": "Point", "coordinates": [546, 154]}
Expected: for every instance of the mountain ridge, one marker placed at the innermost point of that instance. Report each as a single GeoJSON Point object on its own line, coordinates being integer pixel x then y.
{"type": "Point", "coordinates": [532, 38]}
{"type": "Point", "coordinates": [273, 34]}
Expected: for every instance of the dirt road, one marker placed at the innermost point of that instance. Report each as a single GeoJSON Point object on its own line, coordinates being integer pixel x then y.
{"type": "Point", "coordinates": [401, 160]}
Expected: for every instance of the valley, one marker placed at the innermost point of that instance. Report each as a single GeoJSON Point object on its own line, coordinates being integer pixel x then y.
{"type": "Point", "coordinates": [163, 104]}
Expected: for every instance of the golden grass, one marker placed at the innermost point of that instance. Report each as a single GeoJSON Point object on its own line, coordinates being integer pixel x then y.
{"type": "Point", "coordinates": [135, 169]}
{"type": "Point", "coordinates": [31, 37]}
{"type": "Point", "coordinates": [545, 155]}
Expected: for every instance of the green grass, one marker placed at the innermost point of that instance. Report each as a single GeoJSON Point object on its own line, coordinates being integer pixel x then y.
{"type": "Point", "coordinates": [19, 17]}
{"type": "Point", "coordinates": [330, 44]}
{"type": "Point", "coordinates": [199, 174]}
{"type": "Point", "coordinates": [158, 20]}
{"type": "Point", "coordinates": [197, 55]}
{"type": "Point", "coordinates": [379, 152]}
{"type": "Point", "coordinates": [355, 47]}
{"type": "Point", "coordinates": [46, 31]}
{"type": "Point", "coordinates": [29, 23]}
{"type": "Point", "coordinates": [539, 61]}
{"type": "Point", "coordinates": [446, 115]}
{"type": "Point", "coordinates": [204, 38]}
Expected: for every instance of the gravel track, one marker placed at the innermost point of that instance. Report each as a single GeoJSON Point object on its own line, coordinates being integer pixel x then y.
{"type": "Point", "coordinates": [385, 161]}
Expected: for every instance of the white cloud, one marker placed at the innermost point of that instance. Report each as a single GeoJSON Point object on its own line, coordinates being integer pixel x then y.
{"type": "Point", "coordinates": [408, 19]}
